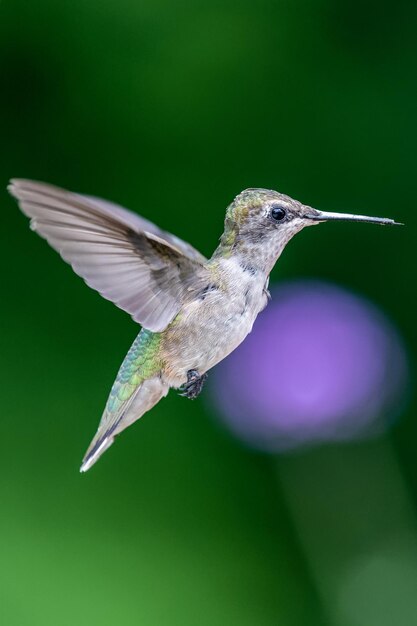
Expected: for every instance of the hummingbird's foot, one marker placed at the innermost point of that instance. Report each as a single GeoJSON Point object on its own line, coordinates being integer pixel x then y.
{"type": "Point", "coordinates": [194, 384]}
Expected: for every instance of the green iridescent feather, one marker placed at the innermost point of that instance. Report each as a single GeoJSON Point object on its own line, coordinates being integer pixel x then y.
{"type": "Point", "coordinates": [141, 362]}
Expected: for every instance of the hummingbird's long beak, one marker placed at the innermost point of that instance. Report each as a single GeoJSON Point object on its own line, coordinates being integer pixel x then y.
{"type": "Point", "coordinates": [324, 216]}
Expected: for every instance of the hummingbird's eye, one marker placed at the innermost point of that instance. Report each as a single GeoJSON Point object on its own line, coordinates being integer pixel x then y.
{"type": "Point", "coordinates": [278, 213]}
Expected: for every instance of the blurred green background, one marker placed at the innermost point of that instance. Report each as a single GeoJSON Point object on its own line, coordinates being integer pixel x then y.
{"type": "Point", "coordinates": [171, 108]}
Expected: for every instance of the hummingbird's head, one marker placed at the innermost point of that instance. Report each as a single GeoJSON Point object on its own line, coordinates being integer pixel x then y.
{"type": "Point", "coordinates": [260, 222]}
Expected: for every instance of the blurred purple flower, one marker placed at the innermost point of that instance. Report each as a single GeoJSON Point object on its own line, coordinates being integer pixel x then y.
{"type": "Point", "coordinates": [321, 364]}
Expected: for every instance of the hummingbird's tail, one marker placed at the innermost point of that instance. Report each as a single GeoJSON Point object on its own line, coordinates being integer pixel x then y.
{"type": "Point", "coordinates": [137, 388]}
{"type": "Point", "coordinates": [142, 399]}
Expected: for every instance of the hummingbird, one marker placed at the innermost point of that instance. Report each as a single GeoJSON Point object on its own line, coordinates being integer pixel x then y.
{"type": "Point", "coordinates": [193, 311]}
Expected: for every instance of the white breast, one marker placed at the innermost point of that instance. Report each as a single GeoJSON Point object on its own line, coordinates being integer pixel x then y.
{"type": "Point", "coordinates": [213, 326]}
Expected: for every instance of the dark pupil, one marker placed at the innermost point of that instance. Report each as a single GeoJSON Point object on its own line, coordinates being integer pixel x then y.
{"type": "Point", "coordinates": [278, 213]}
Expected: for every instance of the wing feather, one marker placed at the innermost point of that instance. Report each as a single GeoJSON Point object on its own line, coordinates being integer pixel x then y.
{"type": "Point", "coordinates": [145, 271]}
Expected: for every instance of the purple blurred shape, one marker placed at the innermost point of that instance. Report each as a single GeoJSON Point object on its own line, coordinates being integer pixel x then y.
{"type": "Point", "coordinates": [321, 364]}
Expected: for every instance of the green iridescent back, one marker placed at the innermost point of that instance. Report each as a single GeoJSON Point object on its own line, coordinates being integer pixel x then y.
{"type": "Point", "coordinates": [141, 362]}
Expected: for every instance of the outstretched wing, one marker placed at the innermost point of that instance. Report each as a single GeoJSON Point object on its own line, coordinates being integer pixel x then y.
{"type": "Point", "coordinates": [127, 259]}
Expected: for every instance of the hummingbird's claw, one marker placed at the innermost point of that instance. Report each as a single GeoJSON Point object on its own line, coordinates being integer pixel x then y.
{"type": "Point", "coordinates": [194, 384]}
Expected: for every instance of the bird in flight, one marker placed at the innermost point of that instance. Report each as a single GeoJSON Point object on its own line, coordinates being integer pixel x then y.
{"type": "Point", "coordinates": [193, 311]}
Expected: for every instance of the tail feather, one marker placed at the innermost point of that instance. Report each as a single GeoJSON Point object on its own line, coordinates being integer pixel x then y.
{"type": "Point", "coordinates": [137, 388]}
{"type": "Point", "coordinates": [146, 395]}
{"type": "Point", "coordinates": [95, 453]}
